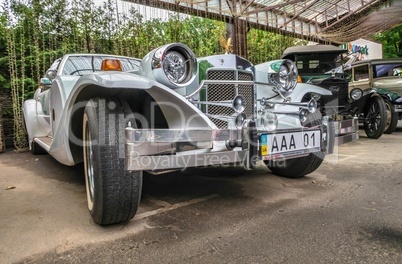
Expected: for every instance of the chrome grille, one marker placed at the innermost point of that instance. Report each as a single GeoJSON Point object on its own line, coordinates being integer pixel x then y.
{"type": "Point", "coordinates": [223, 92]}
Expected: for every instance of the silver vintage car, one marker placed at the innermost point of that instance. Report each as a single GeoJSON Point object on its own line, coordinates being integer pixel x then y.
{"type": "Point", "coordinates": [169, 111]}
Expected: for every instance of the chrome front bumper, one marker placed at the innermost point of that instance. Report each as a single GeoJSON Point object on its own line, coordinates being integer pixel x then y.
{"type": "Point", "coordinates": [162, 149]}
{"type": "Point", "coordinates": [165, 149]}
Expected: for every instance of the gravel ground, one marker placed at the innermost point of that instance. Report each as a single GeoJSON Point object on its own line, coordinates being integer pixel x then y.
{"type": "Point", "coordinates": [348, 211]}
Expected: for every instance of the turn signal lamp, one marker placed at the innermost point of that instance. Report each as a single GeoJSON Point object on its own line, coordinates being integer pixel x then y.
{"type": "Point", "coordinates": [299, 79]}
{"type": "Point", "coordinates": [111, 65]}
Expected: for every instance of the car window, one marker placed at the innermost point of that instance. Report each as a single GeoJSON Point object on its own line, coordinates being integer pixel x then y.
{"type": "Point", "coordinates": [130, 64]}
{"type": "Point", "coordinates": [318, 63]}
{"type": "Point", "coordinates": [80, 65]}
{"type": "Point", "coordinates": [361, 73]}
{"type": "Point", "coordinates": [385, 69]}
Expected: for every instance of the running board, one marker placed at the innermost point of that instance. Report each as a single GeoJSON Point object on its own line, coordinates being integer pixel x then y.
{"type": "Point", "coordinates": [44, 142]}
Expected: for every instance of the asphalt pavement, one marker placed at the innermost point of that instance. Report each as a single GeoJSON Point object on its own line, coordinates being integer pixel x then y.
{"type": "Point", "coordinates": [348, 211]}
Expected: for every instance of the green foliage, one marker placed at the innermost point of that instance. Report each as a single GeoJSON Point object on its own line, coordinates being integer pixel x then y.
{"type": "Point", "coordinates": [391, 42]}
{"type": "Point", "coordinates": [33, 33]}
{"type": "Point", "coordinates": [266, 46]}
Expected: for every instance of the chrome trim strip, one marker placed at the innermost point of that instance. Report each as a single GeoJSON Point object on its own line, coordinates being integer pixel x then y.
{"type": "Point", "coordinates": [44, 142]}
{"type": "Point", "coordinates": [291, 155]}
{"type": "Point", "coordinates": [194, 135]}
{"type": "Point", "coordinates": [184, 161]}
{"type": "Point", "coordinates": [178, 135]}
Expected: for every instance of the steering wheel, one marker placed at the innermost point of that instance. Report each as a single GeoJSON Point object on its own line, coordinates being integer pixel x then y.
{"type": "Point", "coordinates": [322, 68]}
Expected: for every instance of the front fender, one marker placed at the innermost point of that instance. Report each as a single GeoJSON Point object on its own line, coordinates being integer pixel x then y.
{"type": "Point", "coordinates": [389, 95]}
{"type": "Point", "coordinates": [67, 141]}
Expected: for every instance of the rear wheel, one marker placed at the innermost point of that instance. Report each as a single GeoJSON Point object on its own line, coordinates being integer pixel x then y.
{"type": "Point", "coordinates": [298, 167]}
{"type": "Point", "coordinates": [392, 118]}
{"type": "Point", "coordinates": [375, 117]}
{"type": "Point", "coordinates": [113, 193]}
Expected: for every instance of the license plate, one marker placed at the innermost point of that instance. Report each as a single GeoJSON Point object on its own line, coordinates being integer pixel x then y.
{"type": "Point", "coordinates": [289, 143]}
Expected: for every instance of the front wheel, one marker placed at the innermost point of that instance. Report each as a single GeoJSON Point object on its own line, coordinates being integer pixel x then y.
{"type": "Point", "coordinates": [392, 118]}
{"type": "Point", "coordinates": [113, 194]}
{"type": "Point", "coordinates": [298, 167]}
{"type": "Point", "coordinates": [375, 117]}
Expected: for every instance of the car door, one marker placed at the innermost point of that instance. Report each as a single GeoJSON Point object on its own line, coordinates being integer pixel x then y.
{"type": "Point", "coordinates": [360, 77]}
{"type": "Point", "coordinates": [42, 105]}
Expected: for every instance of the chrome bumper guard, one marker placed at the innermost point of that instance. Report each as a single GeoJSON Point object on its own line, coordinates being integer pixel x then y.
{"type": "Point", "coordinates": [156, 149]}
{"type": "Point", "coordinates": [345, 131]}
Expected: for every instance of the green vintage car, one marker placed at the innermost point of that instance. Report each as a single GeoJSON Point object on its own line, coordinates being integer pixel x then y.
{"type": "Point", "coordinates": [323, 65]}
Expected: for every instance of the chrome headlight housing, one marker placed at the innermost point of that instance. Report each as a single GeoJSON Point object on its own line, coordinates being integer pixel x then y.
{"type": "Point", "coordinates": [356, 94]}
{"type": "Point", "coordinates": [283, 74]}
{"type": "Point", "coordinates": [269, 121]}
{"type": "Point", "coordinates": [174, 65]}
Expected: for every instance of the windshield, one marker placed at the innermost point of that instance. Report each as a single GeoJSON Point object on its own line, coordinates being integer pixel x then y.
{"type": "Point", "coordinates": [80, 65]}
{"type": "Point", "coordinates": [319, 63]}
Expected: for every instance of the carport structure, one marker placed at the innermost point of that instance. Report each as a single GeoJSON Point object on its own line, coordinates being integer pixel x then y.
{"type": "Point", "coordinates": [325, 21]}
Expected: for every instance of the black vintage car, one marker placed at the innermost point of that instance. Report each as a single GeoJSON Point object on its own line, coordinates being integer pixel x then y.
{"type": "Point", "coordinates": [323, 65]}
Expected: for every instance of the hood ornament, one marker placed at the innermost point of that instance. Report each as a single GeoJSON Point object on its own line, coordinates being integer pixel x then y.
{"type": "Point", "coordinates": [226, 44]}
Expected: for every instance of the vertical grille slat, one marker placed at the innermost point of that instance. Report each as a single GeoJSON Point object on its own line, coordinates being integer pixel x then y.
{"type": "Point", "coordinates": [223, 92]}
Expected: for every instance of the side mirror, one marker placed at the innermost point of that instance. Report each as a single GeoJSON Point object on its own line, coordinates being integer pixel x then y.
{"type": "Point", "coordinates": [45, 84]}
{"type": "Point", "coordinates": [50, 75]}
{"type": "Point", "coordinates": [45, 81]}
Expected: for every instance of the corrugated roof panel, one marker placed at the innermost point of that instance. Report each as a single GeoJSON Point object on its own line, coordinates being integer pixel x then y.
{"type": "Point", "coordinates": [329, 20]}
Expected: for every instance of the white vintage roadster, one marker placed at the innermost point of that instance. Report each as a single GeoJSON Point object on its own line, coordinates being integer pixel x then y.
{"type": "Point", "coordinates": [123, 116]}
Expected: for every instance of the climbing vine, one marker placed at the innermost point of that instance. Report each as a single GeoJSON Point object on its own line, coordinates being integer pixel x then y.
{"type": "Point", "coordinates": [33, 33]}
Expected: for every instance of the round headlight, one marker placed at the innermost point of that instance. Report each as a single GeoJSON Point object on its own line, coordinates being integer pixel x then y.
{"type": "Point", "coordinates": [356, 94]}
{"type": "Point", "coordinates": [269, 121]}
{"type": "Point", "coordinates": [239, 104]}
{"type": "Point", "coordinates": [175, 67]}
{"type": "Point", "coordinates": [312, 105]}
{"type": "Point", "coordinates": [316, 96]}
{"type": "Point", "coordinates": [303, 116]}
{"type": "Point", "coordinates": [283, 74]}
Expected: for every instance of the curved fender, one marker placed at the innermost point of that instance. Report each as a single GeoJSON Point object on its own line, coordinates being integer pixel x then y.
{"type": "Point", "coordinates": [163, 95]}
{"type": "Point", "coordinates": [184, 113]}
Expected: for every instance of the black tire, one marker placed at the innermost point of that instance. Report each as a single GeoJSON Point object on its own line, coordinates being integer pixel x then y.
{"type": "Point", "coordinates": [375, 114]}
{"type": "Point", "coordinates": [161, 179]}
{"type": "Point", "coordinates": [36, 149]}
{"type": "Point", "coordinates": [392, 118]}
{"type": "Point", "coordinates": [113, 194]}
{"type": "Point", "coordinates": [298, 167]}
